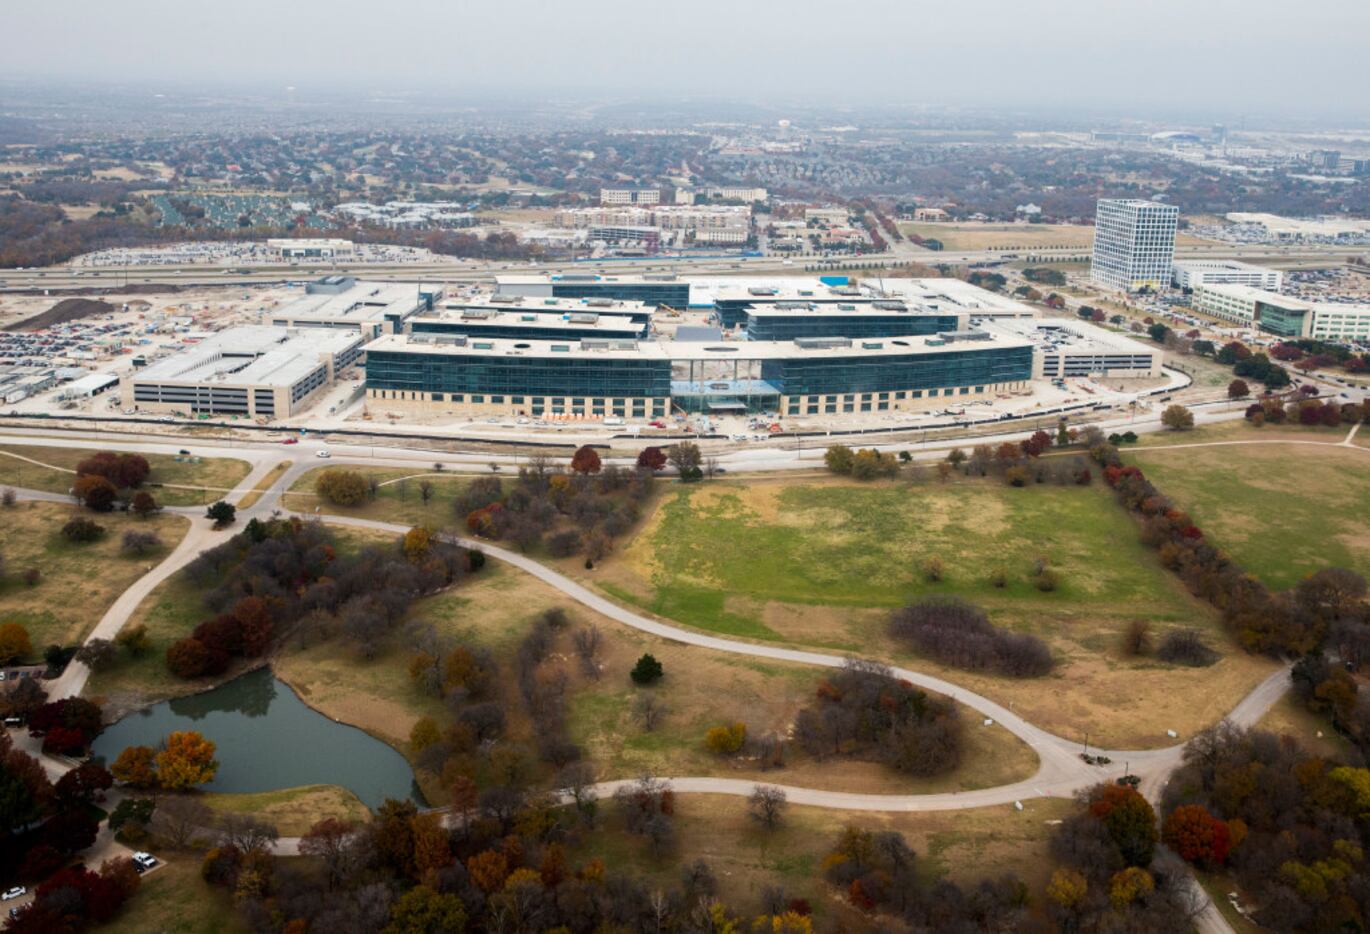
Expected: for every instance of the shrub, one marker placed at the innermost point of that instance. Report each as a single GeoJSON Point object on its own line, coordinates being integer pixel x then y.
{"type": "Point", "coordinates": [140, 543]}
{"type": "Point", "coordinates": [1177, 418]}
{"type": "Point", "coordinates": [80, 529]}
{"type": "Point", "coordinates": [726, 740]}
{"type": "Point", "coordinates": [1185, 647]}
{"type": "Point", "coordinates": [839, 459]}
{"type": "Point", "coordinates": [933, 570]}
{"type": "Point", "coordinates": [222, 513]}
{"type": "Point", "coordinates": [1137, 638]}
{"type": "Point", "coordinates": [1017, 476]}
{"type": "Point", "coordinates": [958, 633]}
{"type": "Point", "coordinates": [998, 578]}
{"type": "Point", "coordinates": [564, 543]}
{"type": "Point", "coordinates": [647, 670]}
{"type": "Point", "coordinates": [341, 487]}
{"type": "Point", "coordinates": [1047, 580]}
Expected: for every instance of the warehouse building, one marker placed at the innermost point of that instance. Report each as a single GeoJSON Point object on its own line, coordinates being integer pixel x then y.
{"type": "Point", "coordinates": [372, 308]}
{"type": "Point", "coordinates": [602, 378]}
{"type": "Point", "coordinates": [258, 371]}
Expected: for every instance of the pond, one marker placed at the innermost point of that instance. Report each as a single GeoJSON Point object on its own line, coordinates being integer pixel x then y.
{"type": "Point", "coordinates": [268, 739]}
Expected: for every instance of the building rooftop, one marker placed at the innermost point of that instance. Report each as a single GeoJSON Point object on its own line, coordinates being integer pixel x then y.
{"type": "Point", "coordinates": [533, 316]}
{"type": "Point", "coordinates": [1251, 293]}
{"type": "Point", "coordinates": [254, 354]}
{"type": "Point", "coordinates": [694, 350]}
{"type": "Point", "coordinates": [533, 304]}
{"type": "Point", "coordinates": [1065, 334]}
{"type": "Point", "coordinates": [356, 302]}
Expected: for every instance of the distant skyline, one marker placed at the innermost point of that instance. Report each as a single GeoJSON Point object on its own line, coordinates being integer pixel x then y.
{"type": "Point", "coordinates": [1144, 56]}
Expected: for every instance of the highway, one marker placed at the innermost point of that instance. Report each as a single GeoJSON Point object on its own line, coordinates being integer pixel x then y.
{"type": "Point", "coordinates": [62, 277]}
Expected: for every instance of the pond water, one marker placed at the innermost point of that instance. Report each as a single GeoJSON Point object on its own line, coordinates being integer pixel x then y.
{"type": "Point", "coordinates": [268, 739]}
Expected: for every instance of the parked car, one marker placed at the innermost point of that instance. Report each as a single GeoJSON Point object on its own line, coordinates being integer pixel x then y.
{"type": "Point", "coordinates": [10, 894]}
{"type": "Point", "coordinates": [291, 441]}
{"type": "Point", "coordinates": [142, 862]}
{"type": "Point", "coordinates": [322, 454]}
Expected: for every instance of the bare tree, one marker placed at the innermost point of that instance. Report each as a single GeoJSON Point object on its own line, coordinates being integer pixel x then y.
{"type": "Point", "coordinates": [649, 710]}
{"type": "Point", "coordinates": [249, 834]}
{"type": "Point", "coordinates": [587, 642]}
{"type": "Point", "coordinates": [767, 805]}
{"type": "Point", "coordinates": [425, 490]}
{"type": "Point", "coordinates": [178, 818]}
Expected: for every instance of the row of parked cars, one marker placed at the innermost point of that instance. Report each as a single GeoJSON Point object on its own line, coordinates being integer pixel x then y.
{"type": "Point", "coordinates": [142, 862]}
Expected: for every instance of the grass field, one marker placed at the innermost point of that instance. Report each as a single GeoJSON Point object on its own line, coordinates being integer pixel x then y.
{"type": "Point", "coordinates": [79, 581]}
{"type": "Point", "coordinates": [821, 562]}
{"type": "Point", "coordinates": [964, 846]}
{"type": "Point", "coordinates": [397, 498]}
{"type": "Point", "coordinates": [207, 480]}
{"type": "Point", "coordinates": [1004, 236]}
{"type": "Point", "coordinates": [1289, 717]}
{"type": "Point", "coordinates": [175, 899]}
{"type": "Point", "coordinates": [702, 689]}
{"type": "Point", "coordinates": [292, 811]}
{"type": "Point", "coordinates": [1282, 511]}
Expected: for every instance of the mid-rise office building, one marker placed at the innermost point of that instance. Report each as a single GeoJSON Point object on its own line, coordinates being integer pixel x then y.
{"type": "Point", "coordinates": [778, 321]}
{"type": "Point", "coordinates": [1190, 274]}
{"type": "Point", "coordinates": [1134, 244]}
{"type": "Point", "coordinates": [654, 290]}
{"type": "Point", "coordinates": [629, 196]}
{"type": "Point", "coordinates": [351, 304]}
{"type": "Point", "coordinates": [1283, 315]}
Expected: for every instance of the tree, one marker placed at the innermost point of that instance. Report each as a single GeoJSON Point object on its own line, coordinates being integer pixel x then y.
{"type": "Point", "coordinates": [187, 658]}
{"type": "Point", "coordinates": [144, 504]}
{"type": "Point", "coordinates": [1129, 819]}
{"type": "Point", "coordinates": [245, 833]}
{"type": "Point", "coordinates": [1067, 888]}
{"type": "Point", "coordinates": [139, 543]}
{"type": "Point", "coordinates": [1177, 418]}
{"type": "Point", "coordinates": [839, 458]}
{"type": "Point", "coordinates": [767, 806]}
{"type": "Point", "coordinates": [585, 460]}
{"type": "Point", "coordinates": [334, 843]}
{"type": "Point", "coordinates": [14, 643]}
{"type": "Point", "coordinates": [422, 910]}
{"type": "Point", "coordinates": [423, 734]}
{"type": "Point", "coordinates": [81, 529]}
{"type": "Point", "coordinates": [222, 513]}
{"type": "Point", "coordinates": [95, 492]}
{"type": "Point", "coordinates": [178, 817]}
{"type": "Point", "coordinates": [1237, 389]}
{"type": "Point", "coordinates": [135, 767]}
{"type": "Point", "coordinates": [98, 654]}
{"type": "Point", "coordinates": [124, 471]}
{"type": "Point", "coordinates": [341, 487]}
{"type": "Point", "coordinates": [187, 760]}
{"type": "Point", "coordinates": [727, 739]}
{"type": "Point", "coordinates": [649, 711]}
{"type": "Point", "coordinates": [1196, 835]}
{"type": "Point", "coordinates": [426, 490]}
{"type": "Point", "coordinates": [651, 458]}
{"type": "Point", "coordinates": [685, 457]}
{"type": "Point", "coordinates": [647, 670]}
{"type": "Point", "coordinates": [130, 812]}
{"type": "Point", "coordinates": [134, 640]}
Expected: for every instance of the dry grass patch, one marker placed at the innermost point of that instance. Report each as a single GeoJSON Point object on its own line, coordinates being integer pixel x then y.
{"type": "Point", "coordinates": [292, 811]}
{"type": "Point", "coordinates": [78, 582]}
{"type": "Point", "coordinates": [250, 498]}
{"type": "Point", "coordinates": [398, 497]}
{"type": "Point", "coordinates": [173, 482]}
{"type": "Point", "coordinates": [1289, 717]}
{"type": "Point", "coordinates": [175, 899]}
{"type": "Point", "coordinates": [963, 846]}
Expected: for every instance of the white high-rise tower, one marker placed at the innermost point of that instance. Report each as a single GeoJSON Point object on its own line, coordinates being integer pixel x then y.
{"type": "Point", "coordinates": [1134, 244]}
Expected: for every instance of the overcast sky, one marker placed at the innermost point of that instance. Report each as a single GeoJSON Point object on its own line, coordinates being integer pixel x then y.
{"type": "Point", "coordinates": [1257, 56]}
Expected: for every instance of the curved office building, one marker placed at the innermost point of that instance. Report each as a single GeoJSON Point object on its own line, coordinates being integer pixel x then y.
{"type": "Point", "coordinates": [596, 377]}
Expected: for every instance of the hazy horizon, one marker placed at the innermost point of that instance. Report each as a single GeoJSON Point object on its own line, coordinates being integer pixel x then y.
{"type": "Point", "coordinates": [1162, 57]}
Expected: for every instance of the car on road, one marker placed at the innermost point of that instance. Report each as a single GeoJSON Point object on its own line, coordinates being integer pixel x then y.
{"type": "Point", "coordinates": [142, 862]}
{"type": "Point", "coordinates": [322, 454]}
{"type": "Point", "coordinates": [291, 441]}
{"type": "Point", "coordinates": [184, 452]}
{"type": "Point", "coordinates": [10, 894]}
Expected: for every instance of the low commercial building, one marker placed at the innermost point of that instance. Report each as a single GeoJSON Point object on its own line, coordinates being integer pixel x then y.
{"type": "Point", "coordinates": [344, 302]}
{"type": "Point", "coordinates": [733, 193]}
{"type": "Point", "coordinates": [1283, 315]}
{"type": "Point", "coordinates": [304, 248]}
{"type": "Point", "coordinates": [258, 371]}
{"type": "Point", "coordinates": [602, 378]}
{"type": "Point", "coordinates": [649, 238]}
{"type": "Point", "coordinates": [832, 217]}
{"type": "Point", "coordinates": [1190, 274]}
{"type": "Point", "coordinates": [732, 236]}
{"type": "Point", "coordinates": [92, 384]}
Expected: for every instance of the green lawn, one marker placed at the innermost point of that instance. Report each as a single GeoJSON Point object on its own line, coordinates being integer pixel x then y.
{"type": "Point", "coordinates": [209, 477]}
{"type": "Point", "coordinates": [1282, 511]}
{"type": "Point", "coordinates": [78, 581]}
{"type": "Point", "coordinates": [720, 557]}
{"type": "Point", "coordinates": [398, 497]}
